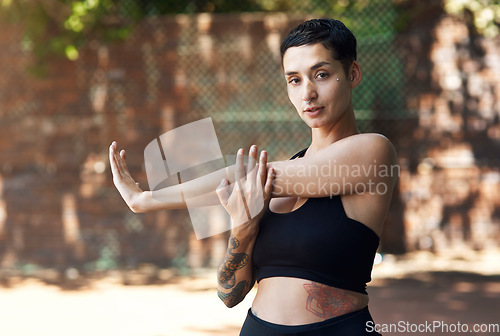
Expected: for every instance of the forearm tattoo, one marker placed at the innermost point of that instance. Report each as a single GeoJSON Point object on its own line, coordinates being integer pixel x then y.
{"type": "Point", "coordinates": [327, 302]}
{"type": "Point", "coordinates": [231, 263]}
{"type": "Point", "coordinates": [227, 274]}
{"type": "Point", "coordinates": [235, 296]}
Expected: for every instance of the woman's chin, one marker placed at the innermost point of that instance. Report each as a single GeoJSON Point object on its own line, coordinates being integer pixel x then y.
{"type": "Point", "coordinates": [314, 123]}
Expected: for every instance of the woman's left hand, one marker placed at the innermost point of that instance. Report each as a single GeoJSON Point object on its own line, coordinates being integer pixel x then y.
{"type": "Point", "coordinates": [247, 198]}
{"type": "Point", "coordinates": [126, 185]}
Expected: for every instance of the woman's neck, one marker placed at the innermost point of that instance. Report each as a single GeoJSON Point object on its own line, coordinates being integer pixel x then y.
{"type": "Point", "coordinates": [325, 136]}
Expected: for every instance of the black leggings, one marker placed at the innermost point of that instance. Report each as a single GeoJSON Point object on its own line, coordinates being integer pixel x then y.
{"type": "Point", "coordinates": [352, 324]}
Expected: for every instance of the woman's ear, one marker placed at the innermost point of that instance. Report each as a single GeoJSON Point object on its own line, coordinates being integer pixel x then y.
{"type": "Point", "coordinates": [355, 75]}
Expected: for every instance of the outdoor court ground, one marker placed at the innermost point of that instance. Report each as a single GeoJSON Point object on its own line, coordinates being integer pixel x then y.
{"type": "Point", "coordinates": [414, 290]}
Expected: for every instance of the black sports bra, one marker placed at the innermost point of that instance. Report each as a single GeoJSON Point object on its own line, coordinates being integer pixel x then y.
{"type": "Point", "coordinates": [317, 242]}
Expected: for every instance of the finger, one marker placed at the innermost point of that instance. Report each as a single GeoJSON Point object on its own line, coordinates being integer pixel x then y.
{"type": "Point", "coordinates": [263, 167]}
{"type": "Point", "coordinates": [119, 162]}
{"type": "Point", "coordinates": [112, 159]}
{"type": "Point", "coordinates": [252, 159]}
{"type": "Point", "coordinates": [116, 155]}
{"type": "Point", "coordinates": [223, 192]}
{"type": "Point", "coordinates": [268, 188]}
{"type": "Point", "coordinates": [239, 173]}
{"type": "Point", "coordinates": [111, 156]}
{"type": "Point", "coordinates": [123, 161]}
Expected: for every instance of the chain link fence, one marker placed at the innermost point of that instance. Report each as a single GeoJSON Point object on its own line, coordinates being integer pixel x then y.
{"type": "Point", "coordinates": [170, 71]}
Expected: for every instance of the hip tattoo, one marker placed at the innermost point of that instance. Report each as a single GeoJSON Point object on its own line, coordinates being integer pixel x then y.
{"type": "Point", "coordinates": [327, 302]}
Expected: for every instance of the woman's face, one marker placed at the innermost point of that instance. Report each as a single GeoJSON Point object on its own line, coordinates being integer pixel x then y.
{"type": "Point", "coordinates": [311, 74]}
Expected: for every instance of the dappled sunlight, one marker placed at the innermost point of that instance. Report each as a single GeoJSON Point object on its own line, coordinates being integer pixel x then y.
{"type": "Point", "coordinates": [75, 261]}
{"type": "Point", "coordinates": [415, 288]}
{"type": "Point", "coordinates": [422, 287]}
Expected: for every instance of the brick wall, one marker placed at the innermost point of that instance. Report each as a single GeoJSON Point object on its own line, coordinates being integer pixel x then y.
{"type": "Point", "coordinates": [57, 203]}
{"type": "Point", "coordinates": [450, 176]}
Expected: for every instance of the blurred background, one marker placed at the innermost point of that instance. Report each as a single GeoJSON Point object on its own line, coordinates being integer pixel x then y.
{"type": "Point", "coordinates": [76, 75]}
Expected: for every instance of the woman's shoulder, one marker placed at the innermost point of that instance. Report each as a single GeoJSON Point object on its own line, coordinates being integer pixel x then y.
{"type": "Point", "coordinates": [364, 141]}
{"type": "Point", "coordinates": [374, 145]}
{"type": "Point", "coordinates": [367, 137]}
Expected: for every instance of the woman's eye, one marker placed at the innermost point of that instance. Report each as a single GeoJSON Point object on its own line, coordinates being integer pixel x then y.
{"type": "Point", "coordinates": [322, 75]}
{"type": "Point", "coordinates": [293, 81]}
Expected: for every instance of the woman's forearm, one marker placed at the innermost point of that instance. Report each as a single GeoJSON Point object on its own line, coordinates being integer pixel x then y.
{"type": "Point", "coordinates": [235, 276]}
{"type": "Point", "coordinates": [198, 192]}
{"type": "Point", "coordinates": [336, 170]}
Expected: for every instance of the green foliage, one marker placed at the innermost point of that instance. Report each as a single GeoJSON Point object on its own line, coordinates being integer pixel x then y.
{"type": "Point", "coordinates": [373, 23]}
{"type": "Point", "coordinates": [486, 14]}
{"type": "Point", "coordinates": [61, 27]}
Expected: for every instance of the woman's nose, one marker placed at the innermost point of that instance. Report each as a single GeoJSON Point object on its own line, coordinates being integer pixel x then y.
{"type": "Point", "coordinates": [309, 91]}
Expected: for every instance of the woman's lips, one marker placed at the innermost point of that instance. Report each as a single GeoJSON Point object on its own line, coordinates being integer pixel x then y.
{"type": "Point", "coordinates": [312, 111]}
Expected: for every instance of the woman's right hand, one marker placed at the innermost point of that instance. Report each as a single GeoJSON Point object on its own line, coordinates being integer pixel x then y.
{"type": "Point", "coordinates": [126, 185]}
{"type": "Point", "coordinates": [248, 198]}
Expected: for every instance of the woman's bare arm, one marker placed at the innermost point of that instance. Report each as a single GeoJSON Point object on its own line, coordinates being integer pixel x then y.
{"type": "Point", "coordinates": [364, 163]}
{"type": "Point", "coordinates": [201, 190]}
{"type": "Point", "coordinates": [354, 165]}
{"type": "Point", "coordinates": [235, 276]}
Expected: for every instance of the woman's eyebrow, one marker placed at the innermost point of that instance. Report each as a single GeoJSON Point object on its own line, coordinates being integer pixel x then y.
{"type": "Point", "coordinates": [314, 67]}
{"type": "Point", "coordinates": [319, 65]}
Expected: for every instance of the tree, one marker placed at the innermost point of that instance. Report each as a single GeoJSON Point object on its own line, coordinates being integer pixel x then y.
{"type": "Point", "coordinates": [61, 27]}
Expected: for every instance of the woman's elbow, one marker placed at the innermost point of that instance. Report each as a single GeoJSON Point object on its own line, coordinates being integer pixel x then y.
{"type": "Point", "coordinates": [228, 299]}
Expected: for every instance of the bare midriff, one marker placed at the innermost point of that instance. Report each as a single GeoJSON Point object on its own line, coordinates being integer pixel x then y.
{"type": "Point", "coordinates": [293, 301]}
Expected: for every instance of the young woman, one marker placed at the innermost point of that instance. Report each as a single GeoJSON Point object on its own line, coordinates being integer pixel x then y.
{"type": "Point", "coordinates": [311, 248]}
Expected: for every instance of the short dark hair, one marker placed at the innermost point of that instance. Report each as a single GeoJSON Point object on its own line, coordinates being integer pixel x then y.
{"type": "Point", "coordinates": [333, 34]}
